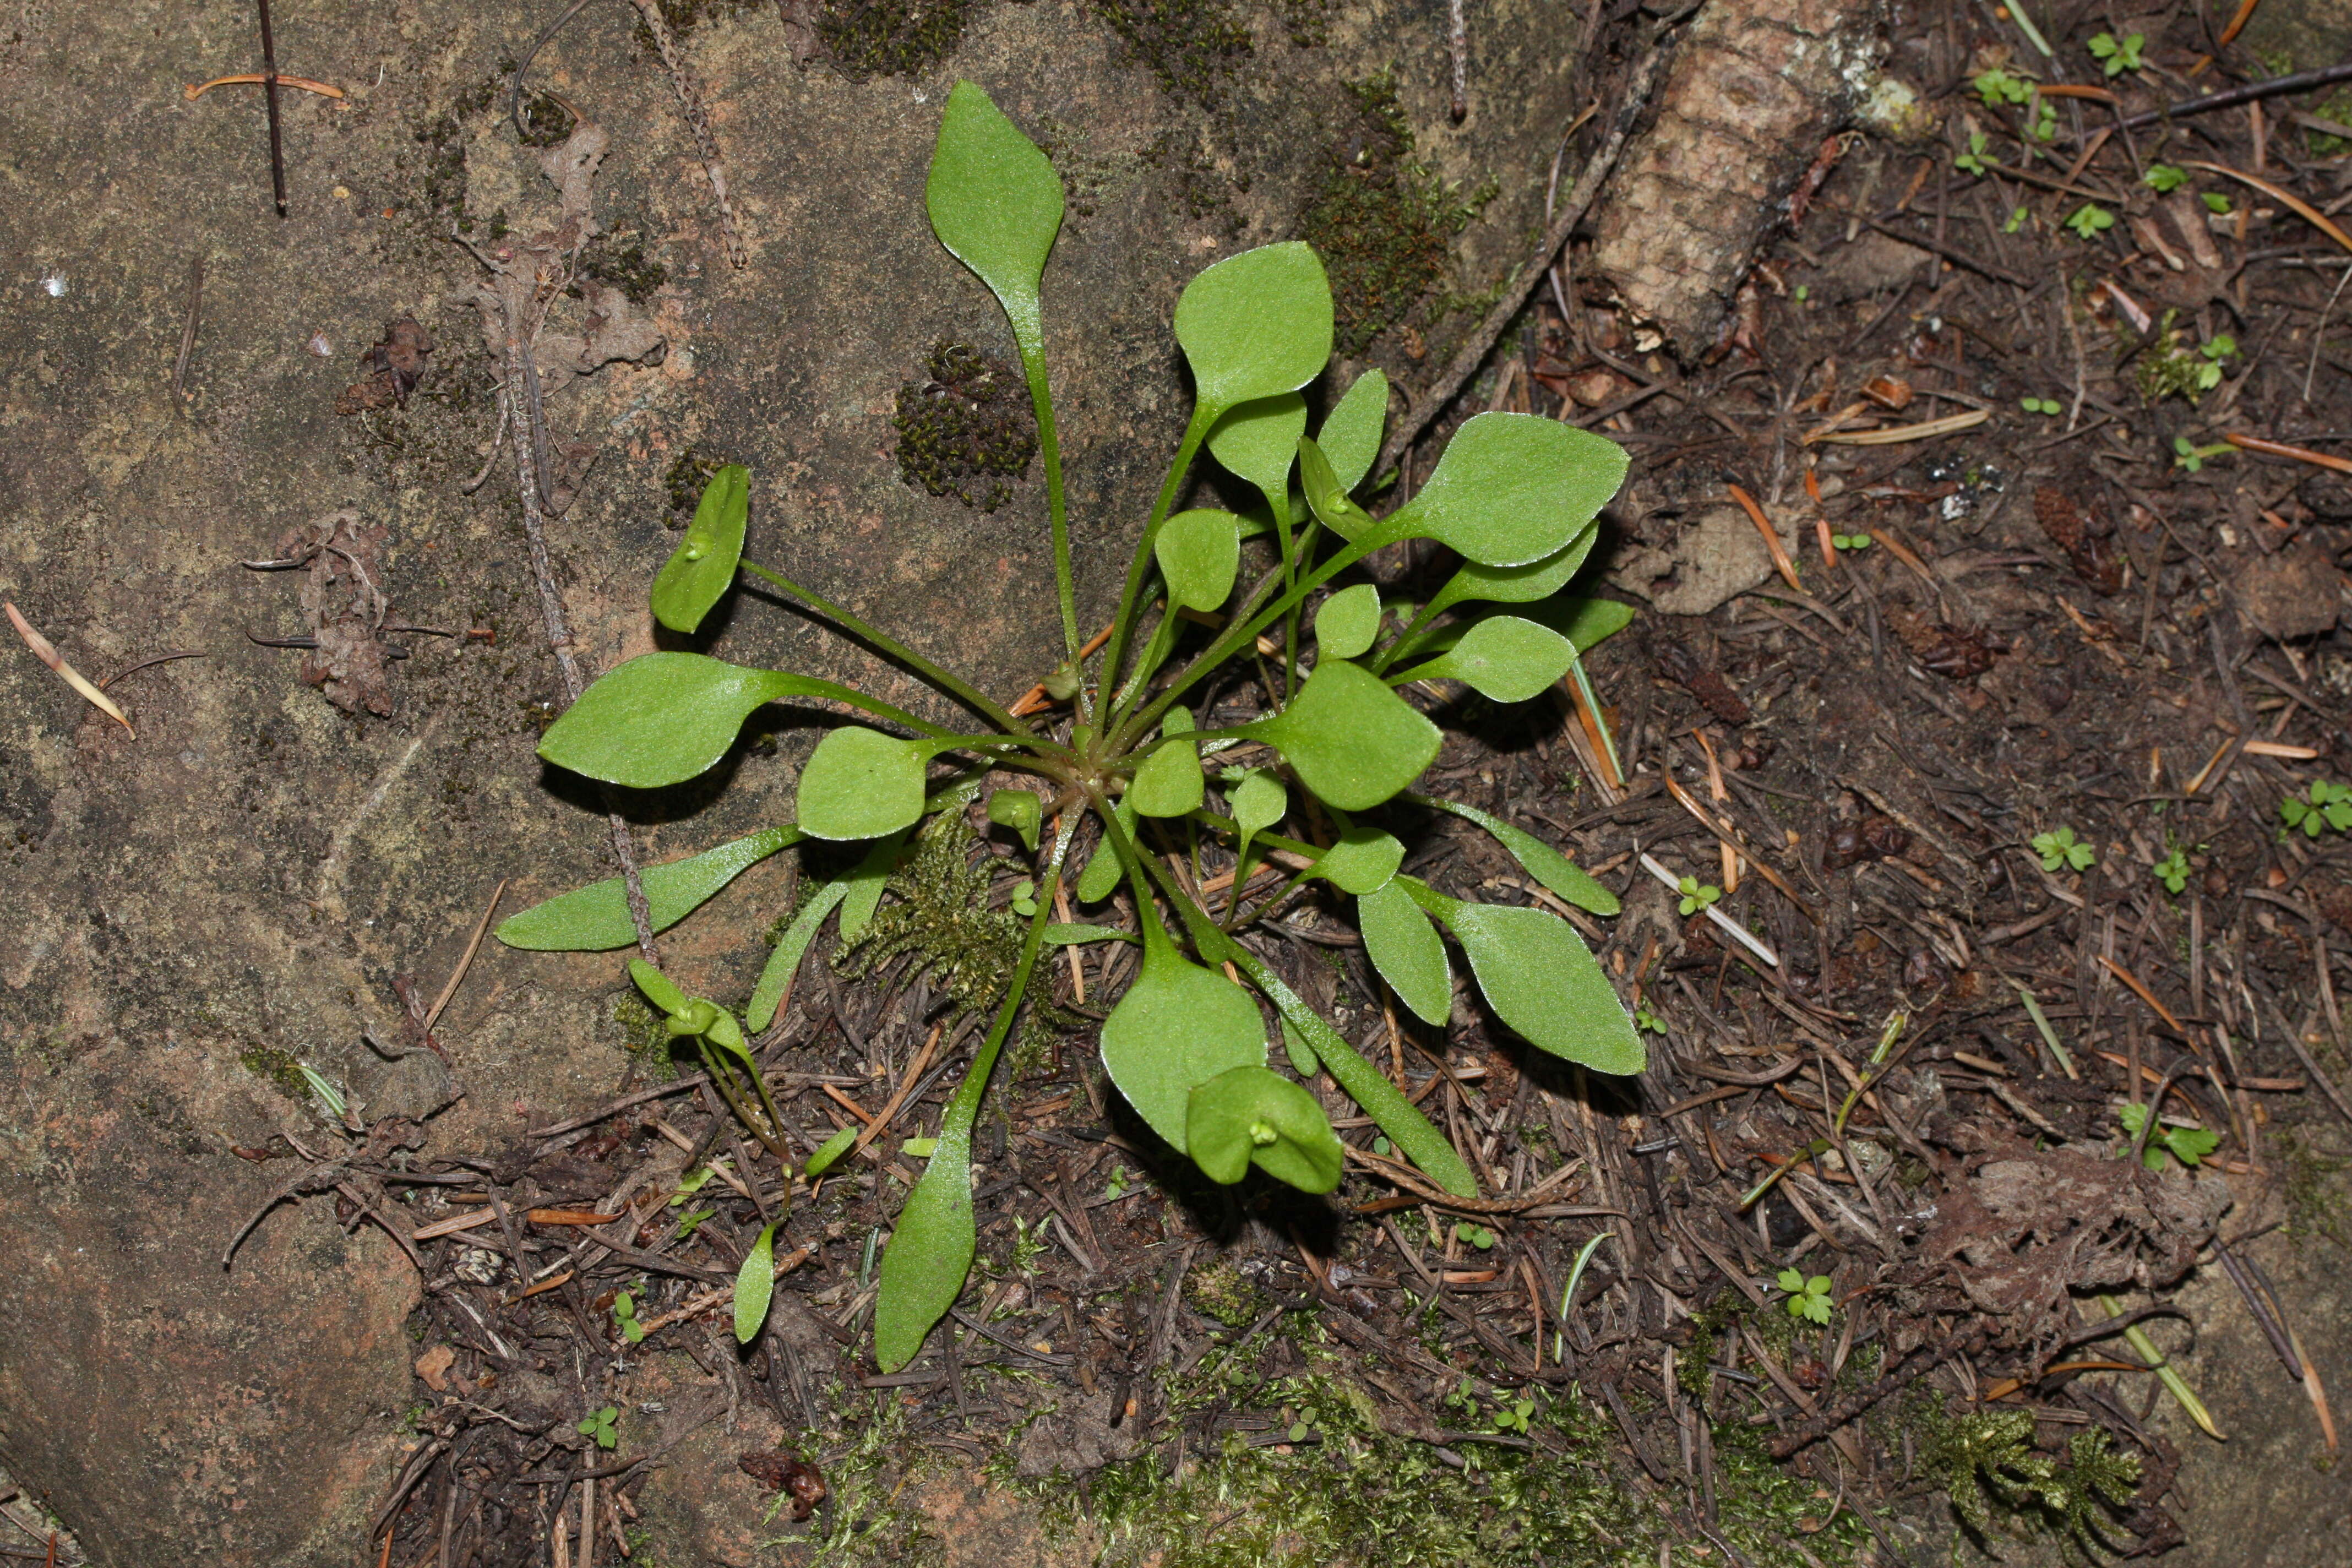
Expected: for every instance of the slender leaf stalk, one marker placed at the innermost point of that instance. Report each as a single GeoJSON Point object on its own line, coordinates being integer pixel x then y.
{"type": "Point", "coordinates": [1130, 598]}
{"type": "Point", "coordinates": [1029, 337]}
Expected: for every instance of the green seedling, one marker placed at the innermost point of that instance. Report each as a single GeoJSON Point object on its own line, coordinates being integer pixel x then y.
{"type": "Point", "coordinates": [2164, 178]}
{"type": "Point", "coordinates": [1645, 1019]}
{"type": "Point", "coordinates": [625, 1316]}
{"type": "Point", "coordinates": [2190, 1145]}
{"type": "Point", "coordinates": [1808, 1299]}
{"type": "Point", "coordinates": [600, 1427]}
{"type": "Point", "coordinates": [1696, 895]}
{"type": "Point", "coordinates": [2216, 203]}
{"type": "Point", "coordinates": [2188, 457]}
{"type": "Point", "coordinates": [2061, 852]}
{"type": "Point", "coordinates": [755, 1286]}
{"type": "Point", "coordinates": [2322, 806]}
{"type": "Point", "coordinates": [2116, 56]}
{"type": "Point", "coordinates": [1476, 1236]}
{"type": "Point", "coordinates": [2043, 406]}
{"type": "Point", "coordinates": [2209, 374]}
{"type": "Point", "coordinates": [2016, 219]}
{"type": "Point", "coordinates": [1851, 540]}
{"type": "Point", "coordinates": [2172, 871]}
{"type": "Point", "coordinates": [2090, 220]}
{"type": "Point", "coordinates": [1973, 161]}
{"type": "Point", "coordinates": [1513, 497]}
{"type": "Point", "coordinates": [1998, 87]}
{"type": "Point", "coordinates": [1515, 1416]}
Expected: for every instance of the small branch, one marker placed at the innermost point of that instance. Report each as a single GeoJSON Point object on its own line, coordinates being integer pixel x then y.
{"type": "Point", "coordinates": [697, 121]}
{"type": "Point", "coordinates": [269, 93]}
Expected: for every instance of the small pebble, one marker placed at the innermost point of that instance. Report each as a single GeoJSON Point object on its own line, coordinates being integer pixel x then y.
{"type": "Point", "coordinates": [320, 346]}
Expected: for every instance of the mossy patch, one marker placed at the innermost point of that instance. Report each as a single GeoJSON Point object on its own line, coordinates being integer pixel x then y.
{"type": "Point", "coordinates": [546, 122]}
{"type": "Point", "coordinates": [1189, 46]}
{"type": "Point", "coordinates": [619, 260]}
{"type": "Point", "coordinates": [643, 1037]}
{"type": "Point", "coordinates": [1197, 185]}
{"type": "Point", "coordinates": [683, 16]}
{"type": "Point", "coordinates": [891, 37]}
{"type": "Point", "coordinates": [967, 427]}
{"type": "Point", "coordinates": [2001, 1481]}
{"type": "Point", "coordinates": [1382, 222]}
{"type": "Point", "coordinates": [1218, 1291]}
{"type": "Point", "coordinates": [2314, 1188]}
{"type": "Point", "coordinates": [685, 477]}
{"type": "Point", "coordinates": [279, 1070]}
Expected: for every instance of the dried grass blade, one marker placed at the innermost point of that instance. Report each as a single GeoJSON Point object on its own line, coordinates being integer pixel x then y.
{"type": "Point", "coordinates": [48, 654]}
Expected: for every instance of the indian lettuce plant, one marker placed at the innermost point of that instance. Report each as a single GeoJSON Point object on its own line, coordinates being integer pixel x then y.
{"type": "Point", "coordinates": [1513, 497]}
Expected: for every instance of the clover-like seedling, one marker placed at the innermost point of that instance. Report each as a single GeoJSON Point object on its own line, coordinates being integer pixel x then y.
{"type": "Point", "coordinates": [2172, 871]}
{"type": "Point", "coordinates": [1476, 1236]}
{"type": "Point", "coordinates": [2061, 852]}
{"type": "Point", "coordinates": [1119, 750]}
{"type": "Point", "coordinates": [2090, 220]}
{"type": "Point", "coordinates": [1808, 1299]}
{"type": "Point", "coordinates": [2164, 178]}
{"type": "Point", "coordinates": [1998, 87]}
{"type": "Point", "coordinates": [2322, 806]}
{"type": "Point", "coordinates": [2116, 56]}
{"type": "Point", "coordinates": [2043, 406]}
{"type": "Point", "coordinates": [1851, 540]}
{"type": "Point", "coordinates": [2190, 1145]}
{"type": "Point", "coordinates": [624, 1315]}
{"type": "Point", "coordinates": [1973, 161]}
{"type": "Point", "coordinates": [1645, 1019]}
{"type": "Point", "coordinates": [1696, 895]}
{"type": "Point", "coordinates": [600, 1427]}
{"type": "Point", "coordinates": [1515, 1416]}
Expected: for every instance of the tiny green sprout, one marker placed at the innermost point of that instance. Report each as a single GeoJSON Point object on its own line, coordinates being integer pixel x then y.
{"type": "Point", "coordinates": [1845, 542]}
{"type": "Point", "coordinates": [1476, 1236]}
{"type": "Point", "coordinates": [2090, 220]}
{"type": "Point", "coordinates": [2043, 405]}
{"type": "Point", "coordinates": [1645, 1019]}
{"type": "Point", "coordinates": [692, 1222]}
{"type": "Point", "coordinates": [2190, 1145]}
{"type": "Point", "coordinates": [1116, 1186]}
{"type": "Point", "coordinates": [1803, 291]}
{"type": "Point", "coordinates": [1298, 1432]}
{"type": "Point", "coordinates": [1998, 87]}
{"type": "Point", "coordinates": [2207, 375]}
{"type": "Point", "coordinates": [920, 1148]}
{"type": "Point", "coordinates": [1024, 897]}
{"type": "Point", "coordinates": [2189, 457]}
{"type": "Point", "coordinates": [1380, 1145]}
{"type": "Point", "coordinates": [1807, 1298]}
{"type": "Point", "coordinates": [2322, 806]}
{"type": "Point", "coordinates": [2117, 55]}
{"type": "Point", "coordinates": [2017, 217]}
{"type": "Point", "coordinates": [2060, 850]}
{"type": "Point", "coordinates": [1515, 1416]}
{"type": "Point", "coordinates": [1973, 161]}
{"type": "Point", "coordinates": [1696, 895]}
{"type": "Point", "coordinates": [600, 1426]}
{"type": "Point", "coordinates": [2216, 203]}
{"type": "Point", "coordinates": [2044, 123]}
{"type": "Point", "coordinates": [624, 1313]}
{"type": "Point", "coordinates": [2164, 178]}
{"type": "Point", "coordinates": [2172, 871]}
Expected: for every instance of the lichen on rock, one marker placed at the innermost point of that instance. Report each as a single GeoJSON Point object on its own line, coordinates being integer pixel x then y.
{"type": "Point", "coordinates": [966, 429]}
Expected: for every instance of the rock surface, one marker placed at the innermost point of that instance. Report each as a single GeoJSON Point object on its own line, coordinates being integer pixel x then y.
{"type": "Point", "coordinates": [200, 909]}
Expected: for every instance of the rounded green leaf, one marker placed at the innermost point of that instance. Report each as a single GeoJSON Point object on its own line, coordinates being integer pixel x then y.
{"type": "Point", "coordinates": [660, 718]}
{"type": "Point", "coordinates": [1256, 324]}
{"type": "Point", "coordinates": [1407, 951]}
{"type": "Point", "coordinates": [1199, 552]}
{"type": "Point", "coordinates": [1169, 783]}
{"type": "Point", "coordinates": [1253, 1115]}
{"type": "Point", "coordinates": [1517, 585]}
{"type": "Point", "coordinates": [658, 988]}
{"type": "Point", "coordinates": [994, 200]}
{"type": "Point", "coordinates": [829, 1152]}
{"type": "Point", "coordinates": [702, 568]}
{"type": "Point", "coordinates": [1513, 488]}
{"type": "Point", "coordinates": [1350, 436]}
{"type": "Point", "coordinates": [1020, 810]}
{"type": "Point", "coordinates": [929, 1254]}
{"type": "Point", "coordinates": [1541, 980]}
{"type": "Point", "coordinates": [1361, 862]}
{"type": "Point", "coordinates": [1258, 441]}
{"type": "Point", "coordinates": [596, 917]}
{"type": "Point", "coordinates": [1348, 621]}
{"type": "Point", "coordinates": [1100, 879]}
{"type": "Point", "coordinates": [1503, 657]}
{"type": "Point", "coordinates": [866, 882]}
{"type": "Point", "coordinates": [862, 783]}
{"type": "Point", "coordinates": [1350, 739]}
{"type": "Point", "coordinates": [1303, 1060]}
{"type": "Point", "coordinates": [1258, 801]}
{"type": "Point", "coordinates": [755, 1287]}
{"type": "Point", "coordinates": [1178, 1026]}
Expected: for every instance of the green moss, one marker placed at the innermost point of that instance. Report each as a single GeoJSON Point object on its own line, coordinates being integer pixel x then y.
{"type": "Point", "coordinates": [2314, 1196]}
{"type": "Point", "coordinates": [1306, 23]}
{"type": "Point", "coordinates": [1381, 221]}
{"type": "Point", "coordinates": [1998, 1481]}
{"type": "Point", "coordinates": [622, 262]}
{"type": "Point", "coordinates": [280, 1070]}
{"type": "Point", "coordinates": [1218, 1291]}
{"type": "Point", "coordinates": [687, 473]}
{"type": "Point", "coordinates": [1191, 46]}
{"type": "Point", "coordinates": [683, 15]}
{"type": "Point", "coordinates": [643, 1037]}
{"type": "Point", "coordinates": [545, 122]}
{"type": "Point", "coordinates": [966, 429]}
{"type": "Point", "coordinates": [1198, 187]}
{"type": "Point", "coordinates": [891, 37]}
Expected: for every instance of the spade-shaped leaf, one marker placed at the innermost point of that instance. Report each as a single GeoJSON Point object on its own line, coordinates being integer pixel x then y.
{"type": "Point", "coordinates": [1169, 783]}
{"type": "Point", "coordinates": [1348, 622]}
{"type": "Point", "coordinates": [1100, 879]}
{"type": "Point", "coordinates": [1178, 1025]}
{"type": "Point", "coordinates": [1258, 441]}
{"type": "Point", "coordinates": [1255, 325]}
{"type": "Point", "coordinates": [1258, 801]}
{"type": "Point", "coordinates": [755, 1286]}
{"type": "Point", "coordinates": [862, 783]}
{"type": "Point", "coordinates": [994, 200]}
{"type": "Point", "coordinates": [1539, 859]}
{"type": "Point", "coordinates": [1513, 488]}
{"type": "Point", "coordinates": [930, 1252]}
{"type": "Point", "coordinates": [1199, 552]}
{"type": "Point", "coordinates": [661, 718]}
{"type": "Point", "coordinates": [1516, 585]}
{"type": "Point", "coordinates": [702, 568]}
{"type": "Point", "coordinates": [1253, 1115]}
{"type": "Point", "coordinates": [596, 917]}
{"type": "Point", "coordinates": [1020, 810]}
{"type": "Point", "coordinates": [1503, 657]}
{"type": "Point", "coordinates": [1407, 951]}
{"type": "Point", "coordinates": [1350, 436]}
{"type": "Point", "coordinates": [1541, 980]}
{"type": "Point", "coordinates": [1350, 739]}
{"type": "Point", "coordinates": [1361, 862]}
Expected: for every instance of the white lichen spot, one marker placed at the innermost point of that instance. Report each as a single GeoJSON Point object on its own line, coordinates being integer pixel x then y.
{"type": "Point", "coordinates": [54, 285]}
{"type": "Point", "coordinates": [320, 346]}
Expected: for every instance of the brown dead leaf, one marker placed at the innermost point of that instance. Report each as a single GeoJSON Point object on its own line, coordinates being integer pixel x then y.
{"type": "Point", "coordinates": [391, 367]}
{"type": "Point", "coordinates": [433, 1366]}
{"type": "Point", "coordinates": [345, 608]}
{"type": "Point", "coordinates": [2085, 534]}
